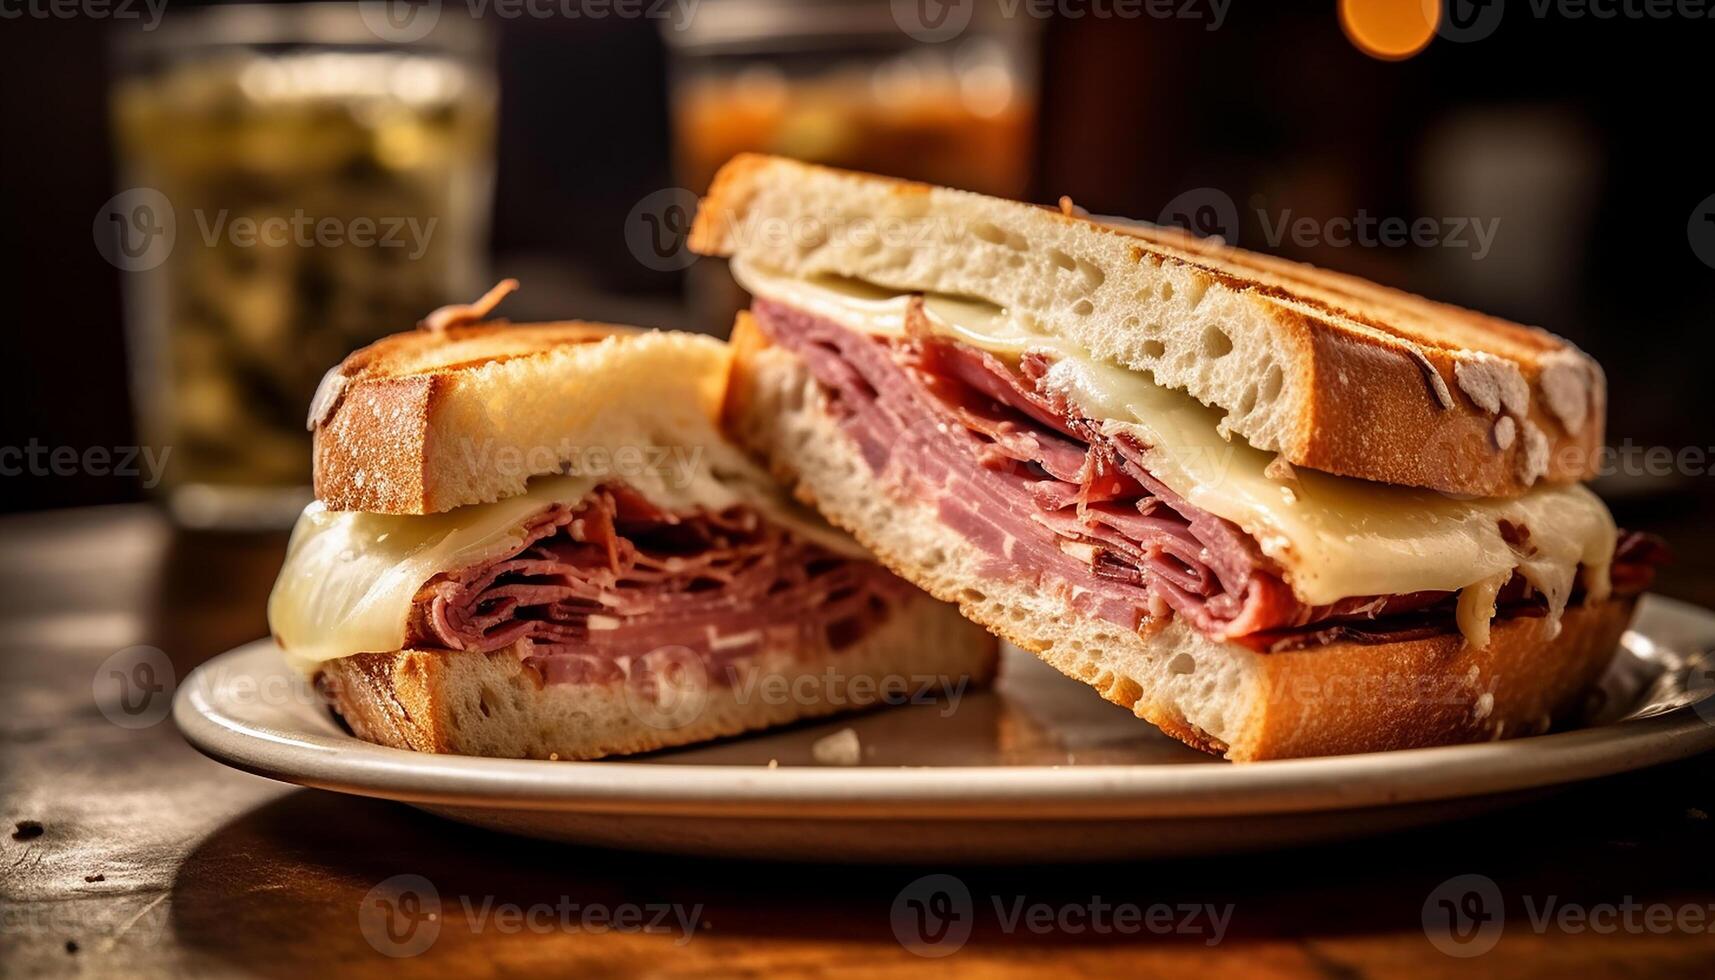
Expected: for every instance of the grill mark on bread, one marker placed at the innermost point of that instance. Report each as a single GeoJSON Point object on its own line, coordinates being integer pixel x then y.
{"type": "Point", "coordinates": [1312, 280]}
{"type": "Point", "coordinates": [1321, 328]}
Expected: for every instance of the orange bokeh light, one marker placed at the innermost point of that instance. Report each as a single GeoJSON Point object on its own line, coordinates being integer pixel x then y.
{"type": "Point", "coordinates": [1391, 30]}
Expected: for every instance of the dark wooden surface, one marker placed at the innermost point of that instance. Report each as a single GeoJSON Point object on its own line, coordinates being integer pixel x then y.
{"type": "Point", "coordinates": [150, 859]}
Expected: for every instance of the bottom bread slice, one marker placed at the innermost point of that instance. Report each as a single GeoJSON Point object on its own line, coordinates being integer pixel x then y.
{"type": "Point", "coordinates": [491, 704]}
{"type": "Point", "coordinates": [1219, 696]}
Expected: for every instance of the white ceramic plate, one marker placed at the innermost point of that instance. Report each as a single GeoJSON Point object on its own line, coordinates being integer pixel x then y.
{"type": "Point", "coordinates": [995, 780]}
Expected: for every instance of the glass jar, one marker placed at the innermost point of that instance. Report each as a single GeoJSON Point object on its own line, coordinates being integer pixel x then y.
{"type": "Point", "coordinates": [298, 186]}
{"type": "Point", "coordinates": [847, 83]}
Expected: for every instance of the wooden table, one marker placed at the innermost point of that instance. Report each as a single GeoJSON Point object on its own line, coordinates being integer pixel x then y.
{"type": "Point", "coordinates": [127, 853]}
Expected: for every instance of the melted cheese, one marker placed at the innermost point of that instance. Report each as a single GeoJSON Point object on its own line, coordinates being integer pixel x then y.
{"type": "Point", "coordinates": [1334, 537]}
{"type": "Point", "coordinates": [350, 578]}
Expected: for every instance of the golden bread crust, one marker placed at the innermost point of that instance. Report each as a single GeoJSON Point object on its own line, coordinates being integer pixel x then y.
{"type": "Point", "coordinates": [1368, 381]}
{"type": "Point", "coordinates": [410, 424]}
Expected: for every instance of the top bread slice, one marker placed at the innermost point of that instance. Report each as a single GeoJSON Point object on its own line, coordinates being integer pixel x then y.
{"type": "Point", "coordinates": [1330, 371]}
{"type": "Point", "coordinates": [423, 422]}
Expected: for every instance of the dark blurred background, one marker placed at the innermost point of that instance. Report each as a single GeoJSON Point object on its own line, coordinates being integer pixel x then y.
{"type": "Point", "coordinates": [1571, 138]}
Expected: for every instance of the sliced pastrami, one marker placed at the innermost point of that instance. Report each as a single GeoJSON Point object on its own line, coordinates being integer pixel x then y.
{"type": "Point", "coordinates": [1049, 498]}
{"type": "Point", "coordinates": [615, 576]}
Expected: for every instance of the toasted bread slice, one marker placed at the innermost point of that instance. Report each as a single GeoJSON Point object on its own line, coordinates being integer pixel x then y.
{"type": "Point", "coordinates": [423, 422]}
{"type": "Point", "coordinates": [1332, 372]}
{"type": "Point", "coordinates": [1220, 696]}
{"type": "Point", "coordinates": [490, 704]}
{"type": "Point", "coordinates": [454, 417]}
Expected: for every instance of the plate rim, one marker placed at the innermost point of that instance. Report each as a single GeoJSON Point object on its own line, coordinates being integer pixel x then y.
{"type": "Point", "coordinates": [1329, 783]}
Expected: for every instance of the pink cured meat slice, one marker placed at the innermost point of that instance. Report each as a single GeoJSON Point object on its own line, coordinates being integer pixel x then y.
{"type": "Point", "coordinates": [1048, 497]}
{"type": "Point", "coordinates": [615, 577]}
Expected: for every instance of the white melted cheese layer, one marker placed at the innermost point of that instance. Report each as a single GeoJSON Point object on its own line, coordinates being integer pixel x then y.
{"type": "Point", "coordinates": [1334, 537]}
{"type": "Point", "coordinates": [350, 578]}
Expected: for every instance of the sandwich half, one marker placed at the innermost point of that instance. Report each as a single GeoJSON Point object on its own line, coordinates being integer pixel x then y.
{"type": "Point", "coordinates": [532, 542]}
{"type": "Point", "coordinates": [1274, 510]}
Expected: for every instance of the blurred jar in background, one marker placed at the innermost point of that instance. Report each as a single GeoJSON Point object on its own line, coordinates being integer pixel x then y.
{"type": "Point", "coordinates": [843, 82]}
{"type": "Point", "coordinates": [324, 186]}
